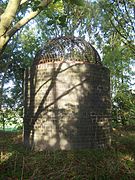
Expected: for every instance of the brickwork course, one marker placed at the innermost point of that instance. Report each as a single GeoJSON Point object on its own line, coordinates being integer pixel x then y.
{"type": "Point", "coordinates": [67, 104]}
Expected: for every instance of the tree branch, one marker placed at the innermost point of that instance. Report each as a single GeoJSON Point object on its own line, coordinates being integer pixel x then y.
{"type": "Point", "coordinates": [132, 47]}
{"type": "Point", "coordinates": [23, 1]}
{"type": "Point", "coordinates": [25, 20]}
{"type": "Point", "coordinates": [21, 23]}
{"type": "Point", "coordinates": [127, 12]}
{"type": "Point", "coordinates": [9, 33]}
{"type": "Point", "coordinates": [8, 15]}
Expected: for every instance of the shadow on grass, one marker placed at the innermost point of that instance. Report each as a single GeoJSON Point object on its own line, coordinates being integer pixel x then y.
{"type": "Point", "coordinates": [115, 163]}
{"type": "Point", "coordinates": [124, 140]}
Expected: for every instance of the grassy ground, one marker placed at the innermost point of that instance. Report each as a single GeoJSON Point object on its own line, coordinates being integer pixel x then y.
{"type": "Point", "coordinates": [118, 162]}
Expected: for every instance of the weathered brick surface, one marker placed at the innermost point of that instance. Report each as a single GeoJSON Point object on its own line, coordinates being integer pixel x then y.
{"type": "Point", "coordinates": [69, 106]}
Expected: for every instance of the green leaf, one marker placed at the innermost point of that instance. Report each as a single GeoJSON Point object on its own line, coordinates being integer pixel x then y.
{"type": "Point", "coordinates": [77, 2]}
{"type": "Point", "coordinates": [63, 18]}
{"type": "Point", "coordinates": [50, 22]}
{"type": "Point", "coordinates": [35, 5]}
{"type": "Point", "coordinates": [55, 1]}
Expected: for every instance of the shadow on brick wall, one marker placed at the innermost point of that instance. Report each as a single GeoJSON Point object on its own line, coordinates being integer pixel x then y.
{"type": "Point", "coordinates": [67, 106]}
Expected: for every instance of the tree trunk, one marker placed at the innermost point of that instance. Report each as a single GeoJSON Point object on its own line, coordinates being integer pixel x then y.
{"type": "Point", "coordinates": [26, 136]}
{"type": "Point", "coordinates": [7, 30]}
{"type": "Point", "coordinates": [3, 44]}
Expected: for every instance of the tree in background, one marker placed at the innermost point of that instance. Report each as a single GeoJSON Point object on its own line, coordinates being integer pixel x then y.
{"type": "Point", "coordinates": [118, 49]}
{"type": "Point", "coordinates": [124, 107]}
{"type": "Point", "coordinates": [14, 14]}
{"type": "Point", "coordinates": [16, 47]}
{"type": "Point", "coordinates": [10, 23]}
{"type": "Point", "coordinates": [108, 29]}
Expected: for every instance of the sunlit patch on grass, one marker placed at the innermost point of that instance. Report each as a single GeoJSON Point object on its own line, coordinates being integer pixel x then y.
{"type": "Point", "coordinates": [18, 138]}
{"type": "Point", "coordinates": [127, 157]}
{"type": "Point", "coordinates": [117, 162]}
{"type": "Point", "coordinates": [4, 156]}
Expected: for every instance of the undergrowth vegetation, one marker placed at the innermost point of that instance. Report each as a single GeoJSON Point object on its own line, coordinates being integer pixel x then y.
{"type": "Point", "coordinates": [117, 162]}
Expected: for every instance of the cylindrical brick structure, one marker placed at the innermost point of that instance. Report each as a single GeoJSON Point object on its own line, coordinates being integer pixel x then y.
{"type": "Point", "coordinates": [67, 105]}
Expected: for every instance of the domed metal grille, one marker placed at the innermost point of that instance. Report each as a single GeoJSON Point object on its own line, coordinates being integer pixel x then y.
{"type": "Point", "coordinates": [67, 49]}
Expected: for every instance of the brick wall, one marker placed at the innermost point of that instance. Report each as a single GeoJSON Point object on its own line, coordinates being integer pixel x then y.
{"type": "Point", "coordinates": [67, 106]}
